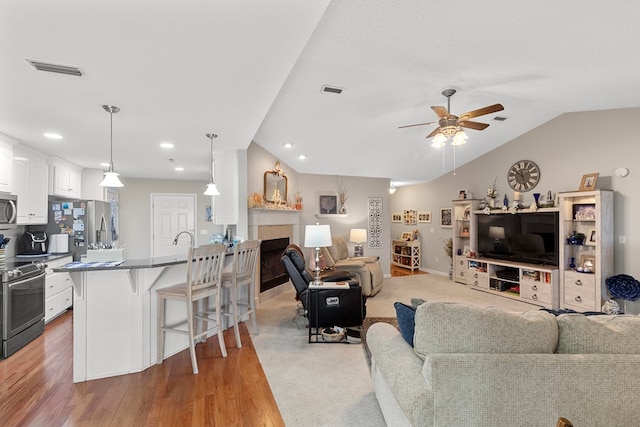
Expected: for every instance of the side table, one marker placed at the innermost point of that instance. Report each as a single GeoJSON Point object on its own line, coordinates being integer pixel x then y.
{"type": "Point", "coordinates": [313, 304]}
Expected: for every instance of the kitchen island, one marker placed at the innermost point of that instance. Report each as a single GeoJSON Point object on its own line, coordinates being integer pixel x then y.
{"type": "Point", "coordinates": [115, 314]}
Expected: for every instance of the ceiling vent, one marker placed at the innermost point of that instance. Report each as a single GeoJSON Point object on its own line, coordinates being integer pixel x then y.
{"type": "Point", "coordinates": [54, 68]}
{"type": "Point", "coordinates": [332, 89]}
{"type": "Point", "coordinates": [500, 118]}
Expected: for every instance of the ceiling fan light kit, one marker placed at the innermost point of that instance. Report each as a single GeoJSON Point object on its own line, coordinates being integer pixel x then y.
{"type": "Point", "coordinates": [450, 126]}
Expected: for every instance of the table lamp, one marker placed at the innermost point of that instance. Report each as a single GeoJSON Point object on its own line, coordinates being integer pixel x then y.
{"type": "Point", "coordinates": [358, 236]}
{"type": "Point", "coordinates": [317, 236]}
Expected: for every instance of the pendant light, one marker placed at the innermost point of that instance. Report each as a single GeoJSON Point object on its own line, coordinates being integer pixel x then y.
{"type": "Point", "coordinates": [212, 188]}
{"type": "Point", "coordinates": [111, 178]}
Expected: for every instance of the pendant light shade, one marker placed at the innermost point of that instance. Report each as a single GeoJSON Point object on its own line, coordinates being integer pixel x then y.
{"type": "Point", "coordinates": [212, 188]}
{"type": "Point", "coordinates": [111, 178]}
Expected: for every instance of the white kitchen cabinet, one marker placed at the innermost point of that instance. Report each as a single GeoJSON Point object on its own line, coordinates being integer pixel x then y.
{"type": "Point", "coordinates": [6, 166]}
{"type": "Point", "coordinates": [58, 289]}
{"type": "Point", "coordinates": [30, 178]}
{"type": "Point", "coordinates": [66, 179]}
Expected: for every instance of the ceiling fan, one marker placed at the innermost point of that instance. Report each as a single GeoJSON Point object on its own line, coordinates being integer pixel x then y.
{"type": "Point", "coordinates": [450, 125]}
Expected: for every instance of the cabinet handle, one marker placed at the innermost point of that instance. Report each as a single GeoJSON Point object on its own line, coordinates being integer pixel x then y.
{"type": "Point", "coordinates": [534, 296]}
{"type": "Point", "coordinates": [578, 298]}
{"type": "Point", "coordinates": [578, 282]}
{"type": "Point", "coordinates": [534, 288]}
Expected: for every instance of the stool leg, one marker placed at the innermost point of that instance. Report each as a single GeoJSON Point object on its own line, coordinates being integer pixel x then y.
{"type": "Point", "coordinates": [160, 349]}
{"type": "Point", "coordinates": [252, 306]}
{"type": "Point", "coordinates": [191, 331]}
{"type": "Point", "coordinates": [234, 304]}
{"type": "Point", "coordinates": [223, 347]}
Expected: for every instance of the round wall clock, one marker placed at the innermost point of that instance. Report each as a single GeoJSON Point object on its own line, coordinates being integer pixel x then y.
{"type": "Point", "coordinates": [523, 175]}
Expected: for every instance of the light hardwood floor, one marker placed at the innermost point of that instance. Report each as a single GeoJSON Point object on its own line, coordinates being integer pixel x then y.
{"type": "Point", "coordinates": [36, 388]}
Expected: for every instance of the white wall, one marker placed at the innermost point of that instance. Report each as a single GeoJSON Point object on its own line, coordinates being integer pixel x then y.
{"type": "Point", "coordinates": [565, 148]}
{"type": "Point", "coordinates": [135, 211]}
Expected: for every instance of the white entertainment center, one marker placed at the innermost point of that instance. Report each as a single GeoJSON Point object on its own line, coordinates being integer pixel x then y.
{"type": "Point", "coordinates": [574, 279]}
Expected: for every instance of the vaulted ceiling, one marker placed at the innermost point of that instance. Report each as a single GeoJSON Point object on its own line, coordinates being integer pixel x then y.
{"type": "Point", "coordinates": [254, 71]}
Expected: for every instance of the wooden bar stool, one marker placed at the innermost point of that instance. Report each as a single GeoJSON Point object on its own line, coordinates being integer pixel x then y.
{"type": "Point", "coordinates": [204, 280]}
{"type": "Point", "coordinates": [245, 260]}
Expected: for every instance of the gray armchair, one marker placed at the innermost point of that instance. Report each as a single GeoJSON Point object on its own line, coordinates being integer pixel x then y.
{"type": "Point", "coordinates": [366, 269]}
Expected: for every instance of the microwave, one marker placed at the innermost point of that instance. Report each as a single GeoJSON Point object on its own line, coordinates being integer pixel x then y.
{"type": "Point", "coordinates": [8, 211]}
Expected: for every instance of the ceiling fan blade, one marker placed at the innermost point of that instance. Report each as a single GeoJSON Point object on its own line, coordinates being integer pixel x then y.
{"type": "Point", "coordinates": [417, 124]}
{"type": "Point", "coordinates": [441, 111]}
{"type": "Point", "coordinates": [433, 132]}
{"type": "Point", "coordinates": [472, 125]}
{"type": "Point", "coordinates": [482, 111]}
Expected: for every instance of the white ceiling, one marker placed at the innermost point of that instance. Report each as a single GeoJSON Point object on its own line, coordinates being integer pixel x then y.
{"type": "Point", "coordinates": [253, 70]}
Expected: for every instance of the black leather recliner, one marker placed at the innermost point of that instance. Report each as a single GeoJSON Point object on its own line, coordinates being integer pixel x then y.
{"type": "Point", "coordinates": [336, 307]}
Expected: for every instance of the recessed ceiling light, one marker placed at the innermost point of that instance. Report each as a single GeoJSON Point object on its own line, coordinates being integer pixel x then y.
{"type": "Point", "coordinates": [302, 157]}
{"type": "Point", "coordinates": [288, 145]}
{"type": "Point", "coordinates": [179, 169]}
{"type": "Point", "coordinates": [166, 145]}
{"type": "Point", "coordinates": [52, 135]}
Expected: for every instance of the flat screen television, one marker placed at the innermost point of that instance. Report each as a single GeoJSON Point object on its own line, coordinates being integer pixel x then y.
{"type": "Point", "coordinates": [528, 237]}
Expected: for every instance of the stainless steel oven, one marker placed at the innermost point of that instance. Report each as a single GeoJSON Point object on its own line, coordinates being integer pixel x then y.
{"type": "Point", "coordinates": [22, 305]}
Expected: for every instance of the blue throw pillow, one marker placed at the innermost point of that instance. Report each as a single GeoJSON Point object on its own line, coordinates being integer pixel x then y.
{"type": "Point", "coordinates": [406, 321]}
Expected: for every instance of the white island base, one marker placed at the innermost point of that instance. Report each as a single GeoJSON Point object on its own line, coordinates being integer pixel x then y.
{"type": "Point", "coordinates": [115, 317]}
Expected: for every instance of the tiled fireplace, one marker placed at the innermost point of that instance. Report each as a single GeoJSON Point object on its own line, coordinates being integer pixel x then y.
{"type": "Point", "coordinates": [274, 227]}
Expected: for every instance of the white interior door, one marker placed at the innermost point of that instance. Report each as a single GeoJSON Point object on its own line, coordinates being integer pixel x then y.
{"type": "Point", "coordinates": [172, 213]}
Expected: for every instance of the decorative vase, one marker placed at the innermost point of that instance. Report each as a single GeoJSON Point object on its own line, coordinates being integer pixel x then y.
{"type": "Point", "coordinates": [536, 196]}
{"type": "Point", "coordinates": [343, 210]}
{"type": "Point", "coordinates": [492, 202]}
{"type": "Point", "coordinates": [572, 264]}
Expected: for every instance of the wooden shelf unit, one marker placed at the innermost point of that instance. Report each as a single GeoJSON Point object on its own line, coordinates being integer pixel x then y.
{"type": "Point", "coordinates": [406, 254]}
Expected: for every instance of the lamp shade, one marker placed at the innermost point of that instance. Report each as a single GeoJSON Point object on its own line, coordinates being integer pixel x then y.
{"type": "Point", "coordinates": [358, 235]}
{"type": "Point", "coordinates": [111, 180]}
{"type": "Point", "coordinates": [496, 232]}
{"type": "Point", "coordinates": [212, 190]}
{"type": "Point", "coordinates": [317, 236]}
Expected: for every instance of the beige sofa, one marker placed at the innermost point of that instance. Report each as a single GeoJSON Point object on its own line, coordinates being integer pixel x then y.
{"type": "Point", "coordinates": [475, 366]}
{"type": "Point", "coordinates": [367, 270]}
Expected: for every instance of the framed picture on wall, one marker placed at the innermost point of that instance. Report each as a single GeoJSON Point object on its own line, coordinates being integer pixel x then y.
{"type": "Point", "coordinates": [424, 216]}
{"type": "Point", "coordinates": [445, 218]}
{"type": "Point", "coordinates": [396, 217]}
{"type": "Point", "coordinates": [410, 217]}
{"type": "Point", "coordinates": [327, 204]}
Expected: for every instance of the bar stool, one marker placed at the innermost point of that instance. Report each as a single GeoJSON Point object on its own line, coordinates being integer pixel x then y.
{"type": "Point", "coordinates": [245, 259]}
{"type": "Point", "coordinates": [204, 280]}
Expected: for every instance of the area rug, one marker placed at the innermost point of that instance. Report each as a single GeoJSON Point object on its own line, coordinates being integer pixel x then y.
{"type": "Point", "coordinates": [367, 322]}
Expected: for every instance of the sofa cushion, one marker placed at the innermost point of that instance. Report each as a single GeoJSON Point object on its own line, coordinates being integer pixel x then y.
{"type": "Point", "coordinates": [406, 321]}
{"type": "Point", "coordinates": [338, 249]}
{"type": "Point", "coordinates": [442, 327]}
{"type": "Point", "coordinates": [615, 334]}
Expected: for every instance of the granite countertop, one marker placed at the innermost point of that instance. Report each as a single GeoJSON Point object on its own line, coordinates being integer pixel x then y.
{"type": "Point", "coordinates": [132, 264]}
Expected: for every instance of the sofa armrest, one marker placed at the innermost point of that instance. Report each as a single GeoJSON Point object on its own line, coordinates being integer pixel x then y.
{"type": "Point", "coordinates": [533, 389]}
{"type": "Point", "coordinates": [365, 259]}
{"type": "Point", "coordinates": [346, 264]}
{"type": "Point", "coordinates": [395, 361]}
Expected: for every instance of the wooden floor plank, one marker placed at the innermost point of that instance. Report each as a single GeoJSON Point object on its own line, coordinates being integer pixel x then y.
{"type": "Point", "coordinates": [36, 388]}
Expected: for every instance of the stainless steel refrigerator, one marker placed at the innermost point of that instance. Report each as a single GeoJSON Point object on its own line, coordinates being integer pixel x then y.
{"type": "Point", "coordinates": [87, 222]}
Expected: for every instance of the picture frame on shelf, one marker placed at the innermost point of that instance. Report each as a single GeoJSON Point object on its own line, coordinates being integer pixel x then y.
{"type": "Point", "coordinates": [466, 251]}
{"type": "Point", "coordinates": [591, 237]}
{"type": "Point", "coordinates": [407, 236]}
{"type": "Point", "coordinates": [588, 182]}
{"type": "Point", "coordinates": [410, 217]}
{"type": "Point", "coordinates": [445, 218]}
{"type": "Point", "coordinates": [462, 194]}
{"type": "Point", "coordinates": [327, 204]}
{"type": "Point", "coordinates": [424, 216]}
{"type": "Point", "coordinates": [463, 231]}
{"type": "Point", "coordinates": [588, 263]}
{"type": "Point", "coordinates": [396, 217]}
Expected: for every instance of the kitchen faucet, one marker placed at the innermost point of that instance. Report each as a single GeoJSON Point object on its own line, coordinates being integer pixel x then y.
{"type": "Point", "coordinates": [191, 238]}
